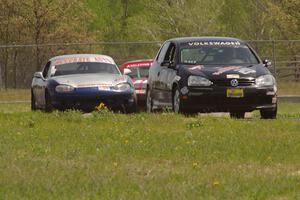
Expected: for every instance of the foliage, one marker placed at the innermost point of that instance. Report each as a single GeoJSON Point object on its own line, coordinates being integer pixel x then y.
{"type": "Point", "coordinates": [40, 22]}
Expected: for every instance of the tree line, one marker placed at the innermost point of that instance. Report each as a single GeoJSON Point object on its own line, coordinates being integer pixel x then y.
{"type": "Point", "coordinates": [40, 22]}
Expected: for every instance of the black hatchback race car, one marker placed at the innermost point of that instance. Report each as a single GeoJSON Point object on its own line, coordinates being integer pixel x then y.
{"type": "Point", "coordinates": [211, 74]}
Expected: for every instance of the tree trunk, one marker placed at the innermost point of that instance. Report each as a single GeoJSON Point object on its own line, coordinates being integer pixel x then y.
{"type": "Point", "coordinates": [1, 83]}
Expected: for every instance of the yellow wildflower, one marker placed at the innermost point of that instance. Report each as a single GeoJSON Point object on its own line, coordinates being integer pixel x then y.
{"type": "Point", "coordinates": [216, 183]}
{"type": "Point", "coordinates": [101, 106]}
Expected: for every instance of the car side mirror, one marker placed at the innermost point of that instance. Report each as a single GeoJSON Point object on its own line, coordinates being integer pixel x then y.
{"type": "Point", "coordinates": [267, 63]}
{"type": "Point", "coordinates": [127, 71]}
{"type": "Point", "coordinates": [38, 75]}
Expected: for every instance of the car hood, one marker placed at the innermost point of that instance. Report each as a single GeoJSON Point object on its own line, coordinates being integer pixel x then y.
{"type": "Point", "coordinates": [89, 80]}
{"type": "Point", "coordinates": [140, 83]}
{"type": "Point", "coordinates": [225, 71]}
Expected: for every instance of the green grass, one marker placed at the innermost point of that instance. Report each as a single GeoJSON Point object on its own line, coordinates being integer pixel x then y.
{"type": "Point", "coordinates": [15, 95]}
{"type": "Point", "coordinates": [148, 156]}
{"type": "Point", "coordinates": [288, 88]}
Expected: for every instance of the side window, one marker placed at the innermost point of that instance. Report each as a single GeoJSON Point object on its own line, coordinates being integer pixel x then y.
{"type": "Point", "coordinates": [170, 55]}
{"type": "Point", "coordinates": [46, 70]}
{"type": "Point", "coordinates": [162, 53]}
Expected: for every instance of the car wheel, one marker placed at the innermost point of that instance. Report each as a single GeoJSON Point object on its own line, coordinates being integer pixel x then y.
{"type": "Point", "coordinates": [33, 102]}
{"type": "Point", "coordinates": [131, 109]}
{"type": "Point", "coordinates": [237, 115]}
{"type": "Point", "coordinates": [177, 107]}
{"type": "Point", "coordinates": [269, 113]}
{"type": "Point", "coordinates": [48, 107]}
{"type": "Point", "coordinates": [149, 102]}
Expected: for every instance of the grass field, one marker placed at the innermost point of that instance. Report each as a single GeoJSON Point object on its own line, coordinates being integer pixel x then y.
{"type": "Point", "coordinates": [148, 156]}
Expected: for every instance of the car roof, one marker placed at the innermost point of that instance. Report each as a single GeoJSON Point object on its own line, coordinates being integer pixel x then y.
{"type": "Point", "coordinates": [205, 39]}
{"type": "Point", "coordinates": [79, 55]}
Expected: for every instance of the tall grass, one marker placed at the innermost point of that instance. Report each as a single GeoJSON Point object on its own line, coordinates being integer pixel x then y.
{"type": "Point", "coordinates": [104, 155]}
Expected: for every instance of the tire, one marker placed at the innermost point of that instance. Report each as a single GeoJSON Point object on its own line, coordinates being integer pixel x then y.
{"type": "Point", "coordinates": [176, 102]}
{"type": "Point", "coordinates": [149, 102]}
{"type": "Point", "coordinates": [269, 113]}
{"type": "Point", "coordinates": [33, 102]}
{"type": "Point", "coordinates": [237, 115]}
{"type": "Point", "coordinates": [48, 107]}
{"type": "Point", "coordinates": [131, 109]}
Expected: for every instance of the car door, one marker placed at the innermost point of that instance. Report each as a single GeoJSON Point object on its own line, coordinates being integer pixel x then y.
{"type": "Point", "coordinates": [167, 74]}
{"type": "Point", "coordinates": [154, 74]}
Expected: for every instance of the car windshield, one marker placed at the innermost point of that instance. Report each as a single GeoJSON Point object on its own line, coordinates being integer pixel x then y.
{"type": "Point", "coordinates": [139, 72]}
{"type": "Point", "coordinates": [83, 68]}
{"type": "Point", "coordinates": [217, 55]}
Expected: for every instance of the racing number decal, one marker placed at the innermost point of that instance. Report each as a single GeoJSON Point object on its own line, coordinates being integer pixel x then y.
{"type": "Point", "coordinates": [100, 59]}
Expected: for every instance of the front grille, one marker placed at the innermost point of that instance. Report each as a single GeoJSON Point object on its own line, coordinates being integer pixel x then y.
{"type": "Point", "coordinates": [224, 101]}
{"type": "Point", "coordinates": [242, 82]}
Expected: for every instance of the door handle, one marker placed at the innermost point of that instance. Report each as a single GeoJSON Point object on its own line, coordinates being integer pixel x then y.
{"type": "Point", "coordinates": [158, 73]}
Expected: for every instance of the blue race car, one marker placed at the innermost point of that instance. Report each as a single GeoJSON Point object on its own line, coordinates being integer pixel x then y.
{"type": "Point", "coordinates": [82, 81]}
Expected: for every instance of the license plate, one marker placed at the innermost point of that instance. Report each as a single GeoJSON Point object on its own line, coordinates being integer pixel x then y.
{"type": "Point", "coordinates": [140, 91]}
{"type": "Point", "coordinates": [235, 93]}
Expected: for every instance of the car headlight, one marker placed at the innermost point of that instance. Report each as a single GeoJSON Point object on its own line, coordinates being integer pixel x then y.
{"type": "Point", "coordinates": [122, 87]}
{"type": "Point", "coordinates": [198, 81]}
{"type": "Point", "coordinates": [265, 80]}
{"type": "Point", "coordinates": [64, 88]}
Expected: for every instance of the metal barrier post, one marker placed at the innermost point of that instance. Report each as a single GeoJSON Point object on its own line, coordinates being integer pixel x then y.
{"type": "Point", "coordinates": [274, 57]}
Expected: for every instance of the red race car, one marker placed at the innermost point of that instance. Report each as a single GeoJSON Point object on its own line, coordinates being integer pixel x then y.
{"type": "Point", "coordinates": [138, 70]}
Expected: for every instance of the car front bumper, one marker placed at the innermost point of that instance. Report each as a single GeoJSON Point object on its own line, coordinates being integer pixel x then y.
{"type": "Point", "coordinates": [141, 95]}
{"type": "Point", "coordinates": [88, 99]}
{"type": "Point", "coordinates": [214, 99]}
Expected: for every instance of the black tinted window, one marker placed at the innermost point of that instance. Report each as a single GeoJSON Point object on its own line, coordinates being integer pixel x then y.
{"type": "Point", "coordinates": [162, 52]}
{"type": "Point", "coordinates": [139, 72]}
{"type": "Point", "coordinates": [46, 70]}
{"type": "Point", "coordinates": [218, 55]}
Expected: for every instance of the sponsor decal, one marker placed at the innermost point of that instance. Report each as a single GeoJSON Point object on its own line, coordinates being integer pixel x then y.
{"type": "Point", "coordinates": [104, 59]}
{"type": "Point", "coordinates": [100, 59]}
{"type": "Point", "coordinates": [197, 67]}
{"type": "Point", "coordinates": [229, 76]}
{"type": "Point", "coordinates": [146, 64]}
{"type": "Point", "coordinates": [215, 43]}
{"type": "Point", "coordinates": [238, 69]}
{"type": "Point", "coordinates": [226, 69]}
{"type": "Point", "coordinates": [246, 71]}
{"type": "Point", "coordinates": [71, 60]}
